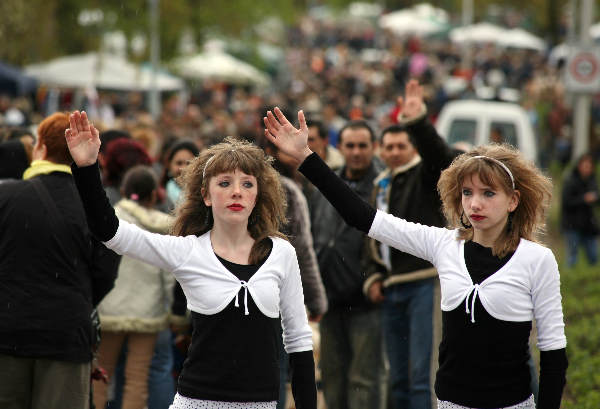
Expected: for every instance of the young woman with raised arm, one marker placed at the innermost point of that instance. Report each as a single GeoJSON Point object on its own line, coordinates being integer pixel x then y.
{"type": "Point", "coordinates": [238, 272]}
{"type": "Point", "coordinates": [495, 277]}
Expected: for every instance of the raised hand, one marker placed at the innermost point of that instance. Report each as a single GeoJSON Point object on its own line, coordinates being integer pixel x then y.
{"type": "Point", "coordinates": [285, 136]}
{"type": "Point", "coordinates": [412, 103]}
{"type": "Point", "coordinates": [83, 139]}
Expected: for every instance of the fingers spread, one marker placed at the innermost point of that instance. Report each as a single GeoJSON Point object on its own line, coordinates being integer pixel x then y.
{"type": "Point", "coordinates": [272, 122]}
{"type": "Point", "coordinates": [79, 125]}
{"type": "Point", "coordinates": [72, 123]}
{"type": "Point", "coordinates": [95, 133]}
{"type": "Point", "coordinates": [281, 117]}
{"type": "Point", "coordinates": [302, 121]}
{"type": "Point", "coordinates": [84, 121]}
{"type": "Point", "coordinates": [270, 136]}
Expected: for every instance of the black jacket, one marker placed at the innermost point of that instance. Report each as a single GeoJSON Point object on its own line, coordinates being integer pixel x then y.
{"type": "Point", "coordinates": [340, 249]}
{"type": "Point", "coordinates": [50, 279]}
{"type": "Point", "coordinates": [576, 213]}
{"type": "Point", "coordinates": [413, 191]}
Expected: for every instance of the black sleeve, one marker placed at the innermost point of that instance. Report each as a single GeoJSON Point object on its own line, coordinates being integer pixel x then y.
{"type": "Point", "coordinates": [353, 209]}
{"type": "Point", "coordinates": [302, 368]}
{"type": "Point", "coordinates": [553, 369]}
{"type": "Point", "coordinates": [434, 151]}
{"type": "Point", "coordinates": [104, 269]}
{"type": "Point", "coordinates": [100, 215]}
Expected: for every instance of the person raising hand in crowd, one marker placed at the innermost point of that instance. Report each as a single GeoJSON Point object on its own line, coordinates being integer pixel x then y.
{"type": "Point", "coordinates": [495, 277]}
{"type": "Point", "coordinates": [238, 272]}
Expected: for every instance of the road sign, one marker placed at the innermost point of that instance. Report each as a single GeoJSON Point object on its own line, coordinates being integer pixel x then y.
{"type": "Point", "coordinates": [582, 72]}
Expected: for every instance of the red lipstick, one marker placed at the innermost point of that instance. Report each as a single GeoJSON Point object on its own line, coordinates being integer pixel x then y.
{"type": "Point", "coordinates": [236, 207]}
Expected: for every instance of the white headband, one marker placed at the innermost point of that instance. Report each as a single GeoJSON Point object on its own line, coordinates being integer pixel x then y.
{"type": "Point", "coordinates": [206, 165]}
{"type": "Point", "coordinates": [506, 169]}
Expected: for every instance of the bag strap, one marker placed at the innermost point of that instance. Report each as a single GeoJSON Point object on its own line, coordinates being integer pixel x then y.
{"type": "Point", "coordinates": [43, 194]}
{"type": "Point", "coordinates": [55, 217]}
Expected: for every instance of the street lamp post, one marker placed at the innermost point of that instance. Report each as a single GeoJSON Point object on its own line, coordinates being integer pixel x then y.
{"type": "Point", "coordinates": [583, 102]}
{"type": "Point", "coordinates": [467, 20]}
{"type": "Point", "coordinates": [154, 97]}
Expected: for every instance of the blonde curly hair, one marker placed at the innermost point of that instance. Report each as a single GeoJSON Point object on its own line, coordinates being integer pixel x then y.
{"type": "Point", "coordinates": [535, 192]}
{"type": "Point", "coordinates": [192, 216]}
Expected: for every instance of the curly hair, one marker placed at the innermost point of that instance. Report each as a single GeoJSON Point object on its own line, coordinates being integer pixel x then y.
{"type": "Point", "coordinates": [192, 216]}
{"type": "Point", "coordinates": [535, 190]}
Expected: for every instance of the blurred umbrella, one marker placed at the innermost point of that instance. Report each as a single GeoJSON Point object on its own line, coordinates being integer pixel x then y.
{"type": "Point", "coordinates": [421, 20]}
{"type": "Point", "coordinates": [100, 71]}
{"type": "Point", "coordinates": [220, 66]}
{"type": "Point", "coordinates": [365, 10]}
{"type": "Point", "coordinates": [14, 82]}
{"type": "Point", "coordinates": [406, 22]}
{"type": "Point", "coordinates": [429, 12]}
{"type": "Point", "coordinates": [477, 33]}
{"type": "Point", "coordinates": [519, 38]}
{"type": "Point", "coordinates": [595, 31]}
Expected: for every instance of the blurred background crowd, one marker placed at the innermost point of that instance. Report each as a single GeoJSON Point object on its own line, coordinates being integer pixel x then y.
{"type": "Point", "coordinates": [335, 63]}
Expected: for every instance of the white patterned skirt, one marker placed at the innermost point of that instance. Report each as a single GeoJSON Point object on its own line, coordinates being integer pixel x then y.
{"type": "Point", "coordinates": [529, 403]}
{"type": "Point", "coordinates": [181, 402]}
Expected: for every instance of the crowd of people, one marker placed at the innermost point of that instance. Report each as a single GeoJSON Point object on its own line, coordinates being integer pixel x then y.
{"type": "Point", "coordinates": [210, 258]}
{"type": "Point", "coordinates": [335, 72]}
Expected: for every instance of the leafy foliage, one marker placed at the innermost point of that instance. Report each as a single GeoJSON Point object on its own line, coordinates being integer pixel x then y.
{"type": "Point", "coordinates": [37, 30]}
{"type": "Point", "coordinates": [580, 290]}
{"type": "Point", "coordinates": [581, 298]}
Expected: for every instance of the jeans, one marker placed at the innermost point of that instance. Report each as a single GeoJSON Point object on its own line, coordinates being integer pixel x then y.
{"type": "Point", "coordinates": [408, 333]}
{"type": "Point", "coordinates": [161, 385]}
{"type": "Point", "coordinates": [352, 358]}
{"type": "Point", "coordinates": [576, 239]}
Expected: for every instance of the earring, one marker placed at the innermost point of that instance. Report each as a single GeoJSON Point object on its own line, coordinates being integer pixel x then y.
{"type": "Point", "coordinates": [509, 222]}
{"type": "Point", "coordinates": [465, 225]}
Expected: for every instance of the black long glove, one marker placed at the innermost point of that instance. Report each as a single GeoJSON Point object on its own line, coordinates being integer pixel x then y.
{"type": "Point", "coordinates": [302, 366]}
{"type": "Point", "coordinates": [100, 214]}
{"type": "Point", "coordinates": [553, 367]}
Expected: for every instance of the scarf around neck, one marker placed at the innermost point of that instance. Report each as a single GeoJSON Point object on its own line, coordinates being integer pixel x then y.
{"type": "Point", "coordinates": [44, 167]}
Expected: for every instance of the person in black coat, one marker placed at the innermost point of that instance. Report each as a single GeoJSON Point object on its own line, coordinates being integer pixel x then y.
{"type": "Point", "coordinates": [15, 156]}
{"type": "Point", "coordinates": [52, 274]}
{"type": "Point", "coordinates": [579, 223]}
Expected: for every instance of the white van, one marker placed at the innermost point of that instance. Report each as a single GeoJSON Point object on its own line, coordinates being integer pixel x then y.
{"type": "Point", "coordinates": [480, 122]}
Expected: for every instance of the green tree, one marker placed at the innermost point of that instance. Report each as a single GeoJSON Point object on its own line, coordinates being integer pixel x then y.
{"type": "Point", "coordinates": [37, 30]}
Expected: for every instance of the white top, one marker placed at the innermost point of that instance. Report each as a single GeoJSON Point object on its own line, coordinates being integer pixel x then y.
{"type": "Point", "coordinates": [209, 287]}
{"type": "Point", "coordinates": [526, 287]}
